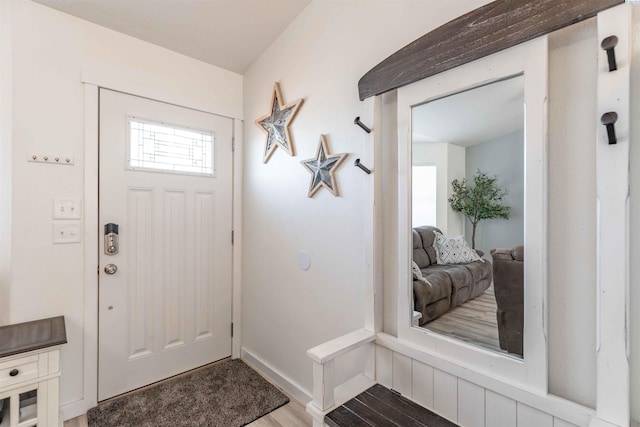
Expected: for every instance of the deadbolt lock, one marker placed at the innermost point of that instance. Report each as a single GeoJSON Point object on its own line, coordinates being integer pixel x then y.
{"type": "Point", "coordinates": [111, 239]}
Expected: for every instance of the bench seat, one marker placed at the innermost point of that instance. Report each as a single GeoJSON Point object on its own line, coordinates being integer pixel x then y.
{"type": "Point", "coordinates": [379, 406]}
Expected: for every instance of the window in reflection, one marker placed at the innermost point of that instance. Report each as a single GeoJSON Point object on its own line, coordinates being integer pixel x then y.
{"type": "Point", "coordinates": [423, 195]}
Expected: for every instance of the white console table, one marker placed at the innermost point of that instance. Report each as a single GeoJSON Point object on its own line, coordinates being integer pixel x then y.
{"type": "Point", "coordinates": [30, 373]}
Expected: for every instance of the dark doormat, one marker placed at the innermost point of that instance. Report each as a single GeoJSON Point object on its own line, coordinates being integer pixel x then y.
{"type": "Point", "coordinates": [226, 394]}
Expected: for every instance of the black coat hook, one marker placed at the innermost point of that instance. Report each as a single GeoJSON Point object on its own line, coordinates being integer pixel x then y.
{"type": "Point", "coordinates": [609, 45]}
{"type": "Point", "coordinates": [608, 119]}
{"type": "Point", "coordinates": [361, 166]}
{"type": "Point", "coordinates": [362, 125]}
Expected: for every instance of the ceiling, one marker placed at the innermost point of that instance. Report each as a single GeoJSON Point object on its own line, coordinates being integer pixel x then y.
{"type": "Point", "coordinates": [473, 116]}
{"type": "Point", "coordinates": [230, 34]}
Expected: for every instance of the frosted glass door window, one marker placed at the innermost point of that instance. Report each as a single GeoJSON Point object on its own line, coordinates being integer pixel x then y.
{"type": "Point", "coordinates": [165, 148]}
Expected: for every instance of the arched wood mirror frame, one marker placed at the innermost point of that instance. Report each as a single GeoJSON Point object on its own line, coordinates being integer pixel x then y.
{"type": "Point", "coordinates": [493, 28]}
{"type": "Point", "coordinates": [489, 29]}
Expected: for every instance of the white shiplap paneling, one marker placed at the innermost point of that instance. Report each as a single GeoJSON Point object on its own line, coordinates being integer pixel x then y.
{"type": "Point", "coordinates": [500, 411]}
{"type": "Point", "coordinates": [468, 403]}
{"type": "Point", "coordinates": [557, 422]}
{"type": "Point", "coordinates": [384, 366]}
{"type": "Point", "coordinates": [445, 395]}
{"type": "Point", "coordinates": [402, 374]}
{"type": "Point", "coordinates": [422, 384]}
{"type": "Point", "coordinates": [530, 417]}
{"type": "Point", "coordinates": [471, 404]}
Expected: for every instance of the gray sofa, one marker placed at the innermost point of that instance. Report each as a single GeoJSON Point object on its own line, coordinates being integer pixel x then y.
{"type": "Point", "coordinates": [446, 286]}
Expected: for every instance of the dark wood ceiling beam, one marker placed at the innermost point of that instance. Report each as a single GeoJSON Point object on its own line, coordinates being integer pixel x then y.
{"type": "Point", "coordinates": [491, 28]}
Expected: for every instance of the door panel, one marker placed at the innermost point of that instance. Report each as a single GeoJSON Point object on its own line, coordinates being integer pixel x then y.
{"type": "Point", "coordinates": [167, 308]}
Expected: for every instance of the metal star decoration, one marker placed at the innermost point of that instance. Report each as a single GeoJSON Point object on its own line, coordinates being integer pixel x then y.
{"type": "Point", "coordinates": [276, 124]}
{"type": "Point", "coordinates": [322, 168]}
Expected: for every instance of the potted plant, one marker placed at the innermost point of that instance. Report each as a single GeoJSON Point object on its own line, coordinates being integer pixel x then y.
{"type": "Point", "coordinates": [483, 200]}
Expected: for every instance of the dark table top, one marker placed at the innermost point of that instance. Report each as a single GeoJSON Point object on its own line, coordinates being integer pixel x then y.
{"type": "Point", "coordinates": [34, 335]}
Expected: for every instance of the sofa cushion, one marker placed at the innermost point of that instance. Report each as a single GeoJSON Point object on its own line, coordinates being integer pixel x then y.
{"type": "Point", "coordinates": [427, 236]}
{"type": "Point", "coordinates": [453, 250]}
{"type": "Point", "coordinates": [420, 255]}
{"type": "Point", "coordinates": [460, 277]}
{"type": "Point", "coordinates": [518, 253]}
{"type": "Point", "coordinates": [482, 276]}
{"type": "Point", "coordinates": [432, 296]}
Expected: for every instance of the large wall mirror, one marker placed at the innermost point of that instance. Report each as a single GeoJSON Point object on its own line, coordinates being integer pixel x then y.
{"type": "Point", "coordinates": [467, 215]}
{"type": "Point", "coordinates": [472, 214]}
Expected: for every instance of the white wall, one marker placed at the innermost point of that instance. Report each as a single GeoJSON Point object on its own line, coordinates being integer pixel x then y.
{"type": "Point", "coordinates": [50, 50]}
{"type": "Point", "coordinates": [456, 222]}
{"type": "Point", "coordinates": [504, 158]}
{"type": "Point", "coordinates": [320, 57]}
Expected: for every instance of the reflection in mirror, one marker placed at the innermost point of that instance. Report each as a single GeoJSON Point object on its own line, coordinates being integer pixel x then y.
{"type": "Point", "coordinates": [468, 215]}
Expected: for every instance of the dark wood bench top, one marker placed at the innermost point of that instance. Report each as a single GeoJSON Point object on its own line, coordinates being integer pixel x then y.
{"type": "Point", "coordinates": [28, 336]}
{"type": "Point", "coordinates": [379, 406]}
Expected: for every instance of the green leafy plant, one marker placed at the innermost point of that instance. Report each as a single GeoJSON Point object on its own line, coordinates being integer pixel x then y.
{"type": "Point", "coordinates": [482, 201]}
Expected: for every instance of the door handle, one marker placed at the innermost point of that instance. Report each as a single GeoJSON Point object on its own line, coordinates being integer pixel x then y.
{"type": "Point", "coordinates": [110, 268]}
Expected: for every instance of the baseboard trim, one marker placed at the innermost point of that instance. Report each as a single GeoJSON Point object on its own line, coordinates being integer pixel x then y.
{"type": "Point", "coordinates": [292, 388]}
{"type": "Point", "coordinates": [76, 408]}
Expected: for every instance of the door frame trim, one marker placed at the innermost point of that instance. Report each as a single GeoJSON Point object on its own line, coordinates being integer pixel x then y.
{"type": "Point", "coordinates": [93, 82]}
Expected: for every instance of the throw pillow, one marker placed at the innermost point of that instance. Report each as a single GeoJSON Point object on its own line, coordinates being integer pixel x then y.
{"type": "Point", "coordinates": [453, 250]}
{"type": "Point", "coordinates": [415, 270]}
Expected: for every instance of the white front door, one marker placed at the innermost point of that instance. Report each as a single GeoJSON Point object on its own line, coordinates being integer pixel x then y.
{"type": "Point", "coordinates": [166, 185]}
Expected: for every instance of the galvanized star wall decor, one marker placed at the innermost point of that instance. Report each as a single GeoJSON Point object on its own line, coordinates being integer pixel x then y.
{"type": "Point", "coordinates": [276, 124]}
{"type": "Point", "coordinates": [322, 168]}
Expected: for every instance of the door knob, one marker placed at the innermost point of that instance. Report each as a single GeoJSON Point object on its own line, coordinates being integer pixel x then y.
{"type": "Point", "coordinates": [110, 268]}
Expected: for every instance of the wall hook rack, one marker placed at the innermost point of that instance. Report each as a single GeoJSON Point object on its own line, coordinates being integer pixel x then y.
{"type": "Point", "coordinates": [362, 125]}
{"type": "Point", "coordinates": [361, 166]}
{"type": "Point", "coordinates": [609, 44]}
{"type": "Point", "coordinates": [608, 119]}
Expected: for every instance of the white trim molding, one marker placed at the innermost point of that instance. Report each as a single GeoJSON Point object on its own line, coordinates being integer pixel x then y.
{"type": "Point", "coordinates": [136, 83]}
{"type": "Point", "coordinates": [612, 195]}
{"type": "Point", "coordinates": [236, 313]}
{"type": "Point", "coordinates": [292, 388]}
{"type": "Point", "coordinates": [90, 238]}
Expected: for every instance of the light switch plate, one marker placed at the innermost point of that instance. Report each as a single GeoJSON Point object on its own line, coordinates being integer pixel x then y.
{"type": "Point", "coordinates": [67, 208]}
{"type": "Point", "coordinates": [66, 232]}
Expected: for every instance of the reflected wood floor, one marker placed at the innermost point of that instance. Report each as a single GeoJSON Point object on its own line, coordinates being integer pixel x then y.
{"type": "Point", "coordinates": [293, 414]}
{"type": "Point", "coordinates": [473, 322]}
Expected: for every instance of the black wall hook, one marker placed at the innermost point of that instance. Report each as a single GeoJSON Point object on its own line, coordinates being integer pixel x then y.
{"type": "Point", "coordinates": [609, 45]}
{"type": "Point", "coordinates": [362, 125]}
{"type": "Point", "coordinates": [361, 166]}
{"type": "Point", "coordinates": [608, 119]}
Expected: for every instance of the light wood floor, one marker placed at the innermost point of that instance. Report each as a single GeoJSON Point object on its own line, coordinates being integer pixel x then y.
{"type": "Point", "coordinates": [473, 322]}
{"type": "Point", "coordinates": [293, 414]}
